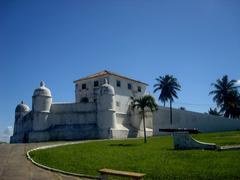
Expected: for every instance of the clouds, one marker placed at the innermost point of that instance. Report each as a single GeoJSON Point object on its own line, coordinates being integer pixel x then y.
{"type": "Point", "coordinates": [5, 136]}
{"type": "Point", "coordinates": [8, 131]}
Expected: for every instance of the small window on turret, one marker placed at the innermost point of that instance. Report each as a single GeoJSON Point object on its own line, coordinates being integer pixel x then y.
{"type": "Point", "coordinates": [129, 86]}
{"type": "Point", "coordinates": [96, 83]}
{"type": "Point", "coordinates": [84, 86]}
{"type": "Point", "coordinates": [139, 89]}
{"type": "Point", "coordinates": [118, 83]}
{"type": "Point", "coordinates": [117, 103]}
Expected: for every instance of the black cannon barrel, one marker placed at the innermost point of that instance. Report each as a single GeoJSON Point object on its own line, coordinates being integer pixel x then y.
{"type": "Point", "coordinates": [190, 130]}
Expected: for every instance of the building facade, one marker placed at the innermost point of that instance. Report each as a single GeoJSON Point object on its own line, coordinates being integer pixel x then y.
{"type": "Point", "coordinates": [101, 110]}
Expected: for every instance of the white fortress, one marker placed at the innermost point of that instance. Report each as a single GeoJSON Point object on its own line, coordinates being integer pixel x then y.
{"type": "Point", "coordinates": [102, 110]}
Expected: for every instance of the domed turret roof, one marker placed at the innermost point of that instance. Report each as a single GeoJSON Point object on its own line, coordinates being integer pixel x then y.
{"type": "Point", "coordinates": [107, 88]}
{"type": "Point", "coordinates": [22, 107]}
{"type": "Point", "coordinates": [42, 90]}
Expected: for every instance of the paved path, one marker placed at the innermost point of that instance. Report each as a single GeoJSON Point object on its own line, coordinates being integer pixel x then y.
{"type": "Point", "coordinates": [15, 166]}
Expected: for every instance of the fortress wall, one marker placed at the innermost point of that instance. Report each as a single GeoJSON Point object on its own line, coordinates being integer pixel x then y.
{"type": "Point", "coordinates": [124, 102]}
{"type": "Point", "coordinates": [122, 118]}
{"type": "Point", "coordinates": [27, 123]}
{"type": "Point", "coordinates": [188, 119]}
{"type": "Point", "coordinates": [65, 114]}
{"type": "Point", "coordinates": [72, 118]}
{"type": "Point", "coordinates": [67, 125]}
{"type": "Point", "coordinates": [65, 132]}
{"type": "Point", "coordinates": [23, 124]}
{"type": "Point", "coordinates": [136, 120]}
{"type": "Point", "coordinates": [72, 107]}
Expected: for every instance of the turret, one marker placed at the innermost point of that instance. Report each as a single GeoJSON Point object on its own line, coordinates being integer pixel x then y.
{"type": "Point", "coordinates": [107, 96]}
{"type": "Point", "coordinates": [41, 104]}
{"type": "Point", "coordinates": [21, 110]}
{"type": "Point", "coordinates": [106, 110]}
{"type": "Point", "coordinates": [41, 99]}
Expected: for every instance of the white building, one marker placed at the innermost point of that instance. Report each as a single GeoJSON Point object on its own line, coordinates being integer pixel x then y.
{"type": "Point", "coordinates": [87, 89]}
{"type": "Point", "coordinates": [102, 110]}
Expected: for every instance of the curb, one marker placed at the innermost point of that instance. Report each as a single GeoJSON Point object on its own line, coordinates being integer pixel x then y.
{"type": "Point", "coordinates": [58, 170]}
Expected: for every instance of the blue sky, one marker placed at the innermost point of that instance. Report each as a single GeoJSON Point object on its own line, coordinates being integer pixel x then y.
{"type": "Point", "coordinates": [197, 41]}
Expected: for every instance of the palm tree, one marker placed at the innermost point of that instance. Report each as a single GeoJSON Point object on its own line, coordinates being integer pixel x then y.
{"type": "Point", "coordinates": [233, 106]}
{"type": "Point", "coordinates": [168, 87]}
{"type": "Point", "coordinates": [142, 103]}
{"type": "Point", "coordinates": [214, 112]}
{"type": "Point", "coordinates": [226, 96]}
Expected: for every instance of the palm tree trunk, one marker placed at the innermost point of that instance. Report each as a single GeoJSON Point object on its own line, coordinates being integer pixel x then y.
{"type": "Point", "coordinates": [170, 112]}
{"type": "Point", "coordinates": [226, 114]}
{"type": "Point", "coordinates": [144, 128]}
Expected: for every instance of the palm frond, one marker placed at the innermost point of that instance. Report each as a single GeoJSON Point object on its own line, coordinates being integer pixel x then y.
{"type": "Point", "coordinates": [226, 96]}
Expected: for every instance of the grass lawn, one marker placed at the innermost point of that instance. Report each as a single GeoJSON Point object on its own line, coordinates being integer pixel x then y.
{"type": "Point", "coordinates": [157, 158]}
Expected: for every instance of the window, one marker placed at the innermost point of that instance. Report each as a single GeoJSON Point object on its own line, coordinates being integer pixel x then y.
{"type": "Point", "coordinates": [139, 89]}
{"type": "Point", "coordinates": [118, 83]}
{"type": "Point", "coordinates": [96, 83]}
{"type": "Point", "coordinates": [84, 100]}
{"type": "Point", "coordinates": [117, 103]}
{"type": "Point", "coordinates": [129, 86]}
{"type": "Point", "coordinates": [84, 86]}
{"type": "Point", "coordinates": [76, 86]}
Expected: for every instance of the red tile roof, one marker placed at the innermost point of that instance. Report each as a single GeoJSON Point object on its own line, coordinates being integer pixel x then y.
{"type": "Point", "coordinates": [105, 73]}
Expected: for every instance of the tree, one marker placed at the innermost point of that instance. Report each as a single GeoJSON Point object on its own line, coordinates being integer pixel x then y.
{"type": "Point", "coordinates": [142, 104]}
{"type": "Point", "coordinates": [233, 106]}
{"type": "Point", "coordinates": [226, 96]}
{"type": "Point", "coordinates": [168, 87]}
{"type": "Point", "coordinates": [214, 112]}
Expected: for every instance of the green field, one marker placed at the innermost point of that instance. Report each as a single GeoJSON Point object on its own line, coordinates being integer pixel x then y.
{"type": "Point", "coordinates": [157, 158]}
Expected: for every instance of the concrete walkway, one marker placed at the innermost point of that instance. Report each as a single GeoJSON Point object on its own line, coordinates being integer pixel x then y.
{"type": "Point", "coordinates": [15, 166]}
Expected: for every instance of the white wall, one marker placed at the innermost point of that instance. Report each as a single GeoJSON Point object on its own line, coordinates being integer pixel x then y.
{"type": "Point", "coordinates": [137, 122]}
{"type": "Point", "coordinates": [188, 119]}
{"type": "Point", "coordinates": [66, 114]}
{"type": "Point", "coordinates": [72, 107]}
{"type": "Point", "coordinates": [72, 113]}
{"type": "Point", "coordinates": [89, 91]}
{"type": "Point", "coordinates": [123, 94]}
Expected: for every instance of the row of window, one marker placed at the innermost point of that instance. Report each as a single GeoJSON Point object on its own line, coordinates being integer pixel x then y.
{"type": "Point", "coordinates": [84, 85]}
{"type": "Point", "coordinates": [118, 84]}
{"type": "Point", "coordinates": [85, 100]}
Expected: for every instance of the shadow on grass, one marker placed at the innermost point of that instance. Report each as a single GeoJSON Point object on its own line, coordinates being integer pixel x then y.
{"type": "Point", "coordinates": [124, 145]}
